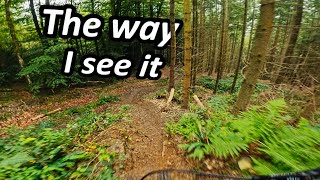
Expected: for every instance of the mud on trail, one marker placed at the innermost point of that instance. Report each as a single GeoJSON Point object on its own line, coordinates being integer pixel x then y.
{"type": "Point", "coordinates": [142, 139]}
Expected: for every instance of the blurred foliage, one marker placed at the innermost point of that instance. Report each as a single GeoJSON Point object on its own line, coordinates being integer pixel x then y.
{"type": "Point", "coordinates": [41, 152]}
{"type": "Point", "coordinates": [284, 147]}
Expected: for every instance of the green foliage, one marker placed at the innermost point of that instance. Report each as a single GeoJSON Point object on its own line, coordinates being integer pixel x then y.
{"type": "Point", "coordinates": [284, 148]}
{"type": "Point", "coordinates": [294, 149]}
{"type": "Point", "coordinates": [47, 154]}
{"type": "Point", "coordinates": [7, 74]}
{"type": "Point", "coordinates": [107, 99]}
{"type": "Point", "coordinates": [91, 122]}
{"type": "Point", "coordinates": [187, 126]}
{"type": "Point", "coordinates": [43, 153]}
{"type": "Point", "coordinates": [4, 77]}
{"type": "Point", "coordinates": [207, 137]}
{"type": "Point", "coordinates": [221, 103]}
{"type": "Point", "coordinates": [89, 108]}
{"type": "Point", "coordinates": [45, 70]}
{"type": "Point", "coordinates": [225, 84]}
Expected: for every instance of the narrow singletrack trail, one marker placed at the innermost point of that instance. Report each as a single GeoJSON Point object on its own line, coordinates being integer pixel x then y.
{"type": "Point", "coordinates": [145, 141]}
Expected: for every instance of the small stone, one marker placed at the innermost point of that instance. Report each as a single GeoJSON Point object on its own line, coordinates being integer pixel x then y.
{"type": "Point", "coordinates": [208, 165]}
{"type": "Point", "coordinates": [245, 163]}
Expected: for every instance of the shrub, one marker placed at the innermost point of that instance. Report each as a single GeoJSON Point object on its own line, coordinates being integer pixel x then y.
{"type": "Point", "coordinates": [45, 70]}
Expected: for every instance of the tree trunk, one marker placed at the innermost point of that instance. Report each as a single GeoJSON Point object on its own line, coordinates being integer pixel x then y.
{"type": "Point", "coordinates": [212, 53]}
{"type": "Point", "coordinates": [36, 24]}
{"type": "Point", "coordinates": [288, 63]}
{"type": "Point", "coordinates": [151, 8]}
{"type": "Point", "coordinates": [15, 43]}
{"type": "Point", "coordinates": [95, 41]}
{"type": "Point", "coordinates": [187, 54]}
{"type": "Point", "coordinates": [195, 42]}
{"type": "Point", "coordinates": [201, 61]}
{"type": "Point", "coordinates": [244, 28]}
{"type": "Point", "coordinates": [259, 52]}
{"type": "Point", "coordinates": [113, 7]}
{"type": "Point", "coordinates": [284, 45]}
{"type": "Point", "coordinates": [251, 34]}
{"type": "Point", "coordinates": [223, 45]}
{"type": "Point", "coordinates": [231, 52]}
{"type": "Point", "coordinates": [273, 51]}
{"type": "Point", "coordinates": [173, 48]}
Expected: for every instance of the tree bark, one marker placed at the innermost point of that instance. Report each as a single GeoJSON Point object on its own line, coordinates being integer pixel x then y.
{"type": "Point", "coordinates": [213, 48]}
{"type": "Point", "coordinates": [223, 45]}
{"type": "Point", "coordinates": [194, 66]}
{"type": "Point", "coordinates": [15, 43]}
{"type": "Point", "coordinates": [271, 59]}
{"type": "Point", "coordinates": [173, 48]}
{"type": "Point", "coordinates": [244, 28]}
{"type": "Point", "coordinates": [113, 7]}
{"type": "Point", "coordinates": [187, 54]}
{"type": "Point", "coordinates": [288, 63]}
{"type": "Point", "coordinates": [36, 23]}
{"type": "Point", "coordinates": [251, 33]}
{"type": "Point", "coordinates": [201, 61]}
{"type": "Point", "coordinates": [259, 52]}
{"type": "Point", "coordinates": [284, 45]}
{"type": "Point", "coordinates": [95, 41]}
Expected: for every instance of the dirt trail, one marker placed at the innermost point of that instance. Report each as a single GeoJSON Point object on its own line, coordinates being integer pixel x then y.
{"type": "Point", "coordinates": [144, 139]}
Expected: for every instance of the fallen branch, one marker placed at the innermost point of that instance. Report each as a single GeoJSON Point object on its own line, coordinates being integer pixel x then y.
{"type": "Point", "coordinates": [46, 114]}
{"type": "Point", "coordinates": [170, 96]}
{"type": "Point", "coordinates": [195, 97]}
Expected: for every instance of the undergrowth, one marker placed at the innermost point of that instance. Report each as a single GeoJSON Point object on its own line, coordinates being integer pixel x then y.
{"type": "Point", "coordinates": [42, 152]}
{"type": "Point", "coordinates": [226, 83]}
{"type": "Point", "coordinates": [282, 146]}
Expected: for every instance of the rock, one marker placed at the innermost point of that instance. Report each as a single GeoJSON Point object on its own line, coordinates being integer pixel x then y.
{"type": "Point", "coordinates": [245, 163]}
{"type": "Point", "coordinates": [208, 164]}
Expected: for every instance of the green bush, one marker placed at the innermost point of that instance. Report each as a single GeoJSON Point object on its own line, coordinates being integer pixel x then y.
{"type": "Point", "coordinates": [44, 70]}
{"type": "Point", "coordinates": [284, 147]}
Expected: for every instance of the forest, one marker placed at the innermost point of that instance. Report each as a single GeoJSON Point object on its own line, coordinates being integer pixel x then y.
{"type": "Point", "coordinates": [239, 95]}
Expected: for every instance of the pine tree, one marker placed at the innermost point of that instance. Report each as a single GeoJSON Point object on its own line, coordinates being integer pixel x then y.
{"type": "Point", "coordinates": [187, 54]}
{"type": "Point", "coordinates": [259, 52]}
{"type": "Point", "coordinates": [173, 48]}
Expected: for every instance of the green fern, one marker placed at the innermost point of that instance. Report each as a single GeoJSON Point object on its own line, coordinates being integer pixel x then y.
{"type": "Point", "coordinates": [297, 149]}
{"type": "Point", "coordinates": [284, 148]}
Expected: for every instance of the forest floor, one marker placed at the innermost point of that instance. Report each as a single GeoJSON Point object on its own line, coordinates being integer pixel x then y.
{"type": "Point", "coordinates": [142, 139]}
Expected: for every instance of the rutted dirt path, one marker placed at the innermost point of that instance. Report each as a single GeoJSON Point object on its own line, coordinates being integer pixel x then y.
{"type": "Point", "coordinates": [144, 139]}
